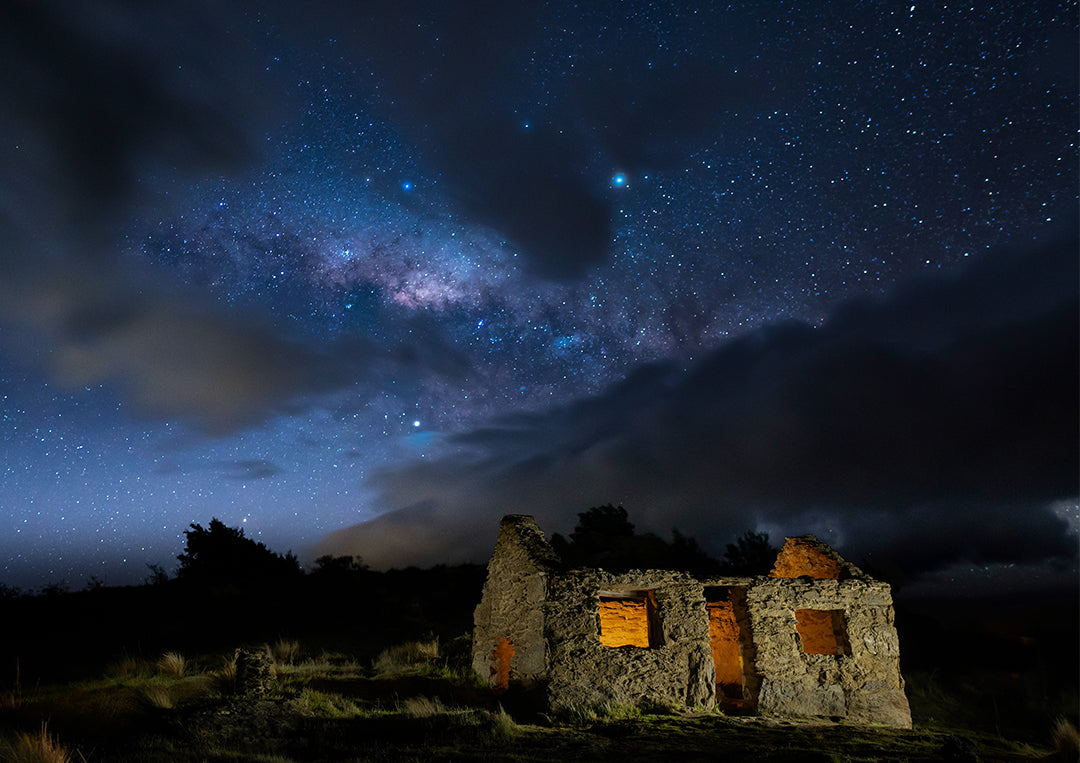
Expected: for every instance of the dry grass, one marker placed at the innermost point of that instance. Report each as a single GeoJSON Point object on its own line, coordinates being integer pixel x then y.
{"type": "Point", "coordinates": [503, 726]}
{"type": "Point", "coordinates": [422, 707]}
{"type": "Point", "coordinates": [158, 697]}
{"type": "Point", "coordinates": [10, 700]}
{"type": "Point", "coordinates": [42, 747]}
{"type": "Point", "coordinates": [1066, 739]}
{"type": "Point", "coordinates": [224, 678]}
{"type": "Point", "coordinates": [125, 667]}
{"type": "Point", "coordinates": [172, 664]}
{"type": "Point", "coordinates": [283, 651]}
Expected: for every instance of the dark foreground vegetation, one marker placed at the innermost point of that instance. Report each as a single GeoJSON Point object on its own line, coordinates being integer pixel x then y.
{"type": "Point", "coordinates": [376, 666]}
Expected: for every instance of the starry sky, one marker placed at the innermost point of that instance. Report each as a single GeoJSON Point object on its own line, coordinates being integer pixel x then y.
{"type": "Point", "coordinates": [363, 277]}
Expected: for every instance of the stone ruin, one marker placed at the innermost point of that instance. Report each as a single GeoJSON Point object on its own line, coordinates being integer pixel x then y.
{"type": "Point", "coordinates": [813, 638]}
{"type": "Point", "coordinates": [254, 672]}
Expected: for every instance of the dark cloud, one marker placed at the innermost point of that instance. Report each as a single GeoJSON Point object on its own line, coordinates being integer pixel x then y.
{"type": "Point", "coordinates": [114, 105]}
{"type": "Point", "coordinates": [108, 91]}
{"type": "Point", "coordinates": [246, 470]}
{"type": "Point", "coordinates": [173, 354]}
{"type": "Point", "coordinates": [526, 143]}
{"type": "Point", "coordinates": [934, 425]}
{"type": "Point", "coordinates": [444, 78]}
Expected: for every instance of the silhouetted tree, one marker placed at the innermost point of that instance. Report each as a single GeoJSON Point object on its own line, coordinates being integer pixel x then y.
{"type": "Point", "coordinates": [751, 554]}
{"type": "Point", "coordinates": [338, 566]}
{"type": "Point", "coordinates": [687, 554]}
{"type": "Point", "coordinates": [599, 522]}
{"type": "Point", "coordinates": [54, 589]}
{"type": "Point", "coordinates": [157, 575]}
{"type": "Point", "coordinates": [221, 554]}
{"type": "Point", "coordinates": [604, 537]}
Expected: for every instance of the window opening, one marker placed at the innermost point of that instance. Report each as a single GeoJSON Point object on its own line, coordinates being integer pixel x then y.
{"type": "Point", "coordinates": [822, 631]}
{"type": "Point", "coordinates": [629, 618]}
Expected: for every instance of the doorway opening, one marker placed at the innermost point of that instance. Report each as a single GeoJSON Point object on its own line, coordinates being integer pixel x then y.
{"type": "Point", "coordinates": [729, 637]}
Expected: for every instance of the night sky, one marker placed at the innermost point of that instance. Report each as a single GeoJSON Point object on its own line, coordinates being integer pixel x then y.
{"type": "Point", "coordinates": [363, 277]}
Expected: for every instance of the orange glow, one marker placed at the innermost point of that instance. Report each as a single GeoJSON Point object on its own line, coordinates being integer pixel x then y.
{"type": "Point", "coordinates": [727, 657]}
{"type": "Point", "coordinates": [500, 665]}
{"type": "Point", "coordinates": [822, 631]}
{"type": "Point", "coordinates": [624, 622]}
{"type": "Point", "coordinates": [801, 558]}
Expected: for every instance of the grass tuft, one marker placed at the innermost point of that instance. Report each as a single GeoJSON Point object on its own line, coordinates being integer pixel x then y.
{"type": "Point", "coordinates": [409, 657]}
{"type": "Point", "coordinates": [224, 678]}
{"type": "Point", "coordinates": [326, 705]}
{"type": "Point", "coordinates": [172, 664]}
{"type": "Point", "coordinates": [125, 667]}
{"type": "Point", "coordinates": [422, 707]}
{"type": "Point", "coordinates": [503, 726]}
{"type": "Point", "coordinates": [158, 697]}
{"type": "Point", "coordinates": [283, 651]}
{"type": "Point", "coordinates": [42, 747]}
{"type": "Point", "coordinates": [582, 715]}
{"type": "Point", "coordinates": [1066, 739]}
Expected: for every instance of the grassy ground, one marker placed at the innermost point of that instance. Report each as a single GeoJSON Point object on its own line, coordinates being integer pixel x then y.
{"type": "Point", "coordinates": [418, 702]}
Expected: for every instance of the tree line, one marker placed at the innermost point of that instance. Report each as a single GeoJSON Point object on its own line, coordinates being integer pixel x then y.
{"type": "Point", "coordinates": [219, 555]}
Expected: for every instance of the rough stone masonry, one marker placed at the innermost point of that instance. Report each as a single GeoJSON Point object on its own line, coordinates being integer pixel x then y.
{"type": "Point", "coordinates": [814, 638]}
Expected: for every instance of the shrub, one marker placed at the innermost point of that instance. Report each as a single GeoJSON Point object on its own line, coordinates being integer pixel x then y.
{"type": "Point", "coordinates": [172, 664]}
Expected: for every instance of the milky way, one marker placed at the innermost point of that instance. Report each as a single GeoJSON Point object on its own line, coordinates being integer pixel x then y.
{"type": "Point", "coordinates": [297, 268]}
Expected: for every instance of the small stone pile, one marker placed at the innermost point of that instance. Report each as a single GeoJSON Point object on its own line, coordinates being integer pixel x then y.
{"type": "Point", "coordinates": [254, 672]}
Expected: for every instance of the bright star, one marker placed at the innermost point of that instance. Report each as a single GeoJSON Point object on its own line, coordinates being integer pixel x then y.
{"type": "Point", "coordinates": [618, 180]}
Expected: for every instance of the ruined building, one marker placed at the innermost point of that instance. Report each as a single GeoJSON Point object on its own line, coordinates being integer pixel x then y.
{"type": "Point", "coordinates": [813, 638]}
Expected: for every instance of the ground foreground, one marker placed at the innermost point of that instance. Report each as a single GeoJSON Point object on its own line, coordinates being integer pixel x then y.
{"type": "Point", "coordinates": [377, 667]}
{"type": "Point", "coordinates": [418, 702]}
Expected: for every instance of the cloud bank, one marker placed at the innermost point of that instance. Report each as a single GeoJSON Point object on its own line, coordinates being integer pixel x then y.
{"type": "Point", "coordinates": [937, 424]}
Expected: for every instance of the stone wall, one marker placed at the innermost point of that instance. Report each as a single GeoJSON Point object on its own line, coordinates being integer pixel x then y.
{"type": "Point", "coordinates": [817, 641]}
{"type": "Point", "coordinates": [512, 604]}
{"type": "Point", "coordinates": [676, 670]}
{"type": "Point", "coordinates": [863, 685]}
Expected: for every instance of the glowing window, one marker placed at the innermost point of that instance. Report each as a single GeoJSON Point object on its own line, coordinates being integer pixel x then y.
{"type": "Point", "coordinates": [628, 619]}
{"type": "Point", "coordinates": [822, 631]}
